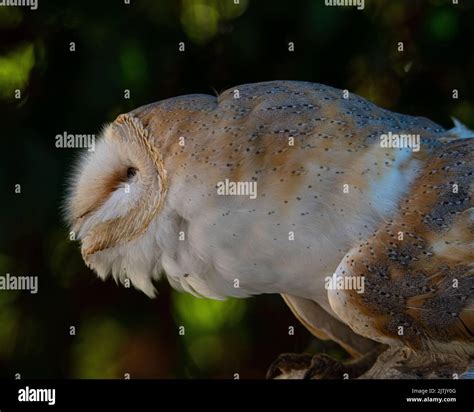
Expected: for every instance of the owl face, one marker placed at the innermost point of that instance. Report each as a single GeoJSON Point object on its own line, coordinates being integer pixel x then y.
{"type": "Point", "coordinates": [116, 194]}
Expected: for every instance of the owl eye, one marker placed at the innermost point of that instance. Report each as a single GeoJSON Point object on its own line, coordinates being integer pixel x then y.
{"type": "Point", "coordinates": [131, 172]}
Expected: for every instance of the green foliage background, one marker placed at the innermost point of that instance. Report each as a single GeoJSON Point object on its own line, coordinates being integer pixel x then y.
{"type": "Point", "coordinates": [135, 47]}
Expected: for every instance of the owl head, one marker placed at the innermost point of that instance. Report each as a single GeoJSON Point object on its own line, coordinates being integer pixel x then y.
{"type": "Point", "coordinates": [115, 195]}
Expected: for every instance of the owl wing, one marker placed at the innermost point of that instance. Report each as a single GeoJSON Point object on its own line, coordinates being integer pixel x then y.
{"type": "Point", "coordinates": [418, 267]}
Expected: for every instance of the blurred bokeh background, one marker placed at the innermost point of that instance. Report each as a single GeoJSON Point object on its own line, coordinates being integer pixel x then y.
{"type": "Point", "coordinates": [134, 47]}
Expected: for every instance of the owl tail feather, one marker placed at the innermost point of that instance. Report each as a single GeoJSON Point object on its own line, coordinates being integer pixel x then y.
{"type": "Point", "coordinates": [460, 131]}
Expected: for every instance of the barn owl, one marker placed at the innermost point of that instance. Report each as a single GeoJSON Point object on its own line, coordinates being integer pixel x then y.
{"type": "Point", "coordinates": [359, 217]}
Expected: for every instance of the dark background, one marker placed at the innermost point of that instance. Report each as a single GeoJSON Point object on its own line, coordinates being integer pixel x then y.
{"type": "Point", "coordinates": [135, 47]}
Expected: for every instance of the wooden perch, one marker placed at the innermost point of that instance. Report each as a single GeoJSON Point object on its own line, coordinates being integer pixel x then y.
{"type": "Point", "coordinates": [404, 363]}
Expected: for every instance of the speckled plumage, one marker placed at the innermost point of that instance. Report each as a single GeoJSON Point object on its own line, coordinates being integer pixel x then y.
{"type": "Point", "coordinates": [334, 191]}
{"type": "Point", "coordinates": [424, 282]}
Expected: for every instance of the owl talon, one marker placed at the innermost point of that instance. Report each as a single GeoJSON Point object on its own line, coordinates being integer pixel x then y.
{"type": "Point", "coordinates": [289, 363]}
{"type": "Point", "coordinates": [324, 367]}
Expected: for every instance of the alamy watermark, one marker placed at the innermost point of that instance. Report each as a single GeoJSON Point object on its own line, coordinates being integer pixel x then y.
{"type": "Point", "coordinates": [230, 188]}
{"type": "Point", "coordinates": [338, 282]}
{"type": "Point", "coordinates": [360, 4]}
{"type": "Point", "coordinates": [10, 282]}
{"type": "Point", "coordinates": [75, 141]}
{"type": "Point", "coordinates": [28, 394]}
{"type": "Point", "coordinates": [32, 4]}
{"type": "Point", "coordinates": [400, 141]}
